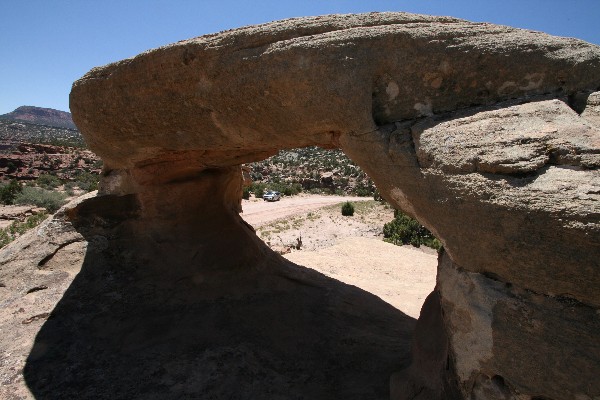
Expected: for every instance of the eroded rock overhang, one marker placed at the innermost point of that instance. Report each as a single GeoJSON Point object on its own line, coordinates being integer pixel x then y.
{"type": "Point", "coordinates": [489, 135]}
{"type": "Point", "coordinates": [239, 96]}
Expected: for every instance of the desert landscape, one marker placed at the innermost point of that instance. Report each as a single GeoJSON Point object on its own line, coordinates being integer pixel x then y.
{"type": "Point", "coordinates": [380, 205]}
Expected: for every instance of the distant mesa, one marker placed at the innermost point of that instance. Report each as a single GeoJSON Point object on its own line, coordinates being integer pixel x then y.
{"type": "Point", "coordinates": [41, 116]}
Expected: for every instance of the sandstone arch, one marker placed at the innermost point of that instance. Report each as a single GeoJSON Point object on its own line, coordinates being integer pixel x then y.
{"type": "Point", "coordinates": [468, 127]}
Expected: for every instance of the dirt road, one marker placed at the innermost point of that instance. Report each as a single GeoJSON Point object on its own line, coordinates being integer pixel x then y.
{"type": "Point", "coordinates": [258, 212]}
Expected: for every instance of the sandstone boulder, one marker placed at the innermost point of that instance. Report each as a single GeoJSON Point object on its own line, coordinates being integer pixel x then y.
{"type": "Point", "coordinates": [592, 109]}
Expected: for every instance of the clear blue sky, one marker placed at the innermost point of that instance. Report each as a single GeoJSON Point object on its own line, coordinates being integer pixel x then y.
{"type": "Point", "coordinates": [47, 44]}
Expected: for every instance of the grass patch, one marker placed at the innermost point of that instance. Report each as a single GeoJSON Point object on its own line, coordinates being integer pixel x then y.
{"type": "Point", "coordinates": [50, 200]}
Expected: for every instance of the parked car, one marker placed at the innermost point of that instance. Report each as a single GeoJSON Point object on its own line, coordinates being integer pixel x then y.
{"type": "Point", "coordinates": [272, 195]}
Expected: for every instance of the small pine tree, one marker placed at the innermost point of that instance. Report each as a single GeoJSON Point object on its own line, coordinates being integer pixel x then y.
{"type": "Point", "coordinates": [9, 192]}
{"type": "Point", "coordinates": [347, 209]}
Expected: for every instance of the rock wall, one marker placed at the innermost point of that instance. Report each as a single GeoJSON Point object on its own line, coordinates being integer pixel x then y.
{"type": "Point", "coordinates": [469, 127]}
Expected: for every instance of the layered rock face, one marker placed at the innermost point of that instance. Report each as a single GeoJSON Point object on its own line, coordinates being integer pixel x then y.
{"type": "Point", "coordinates": [471, 128]}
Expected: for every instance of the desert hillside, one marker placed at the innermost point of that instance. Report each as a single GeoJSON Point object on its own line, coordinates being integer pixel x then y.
{"type": "Point", "coordinates": [41, 116]}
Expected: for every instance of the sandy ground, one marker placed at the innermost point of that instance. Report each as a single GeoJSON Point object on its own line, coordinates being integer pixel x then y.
{"type": "Point", "coordinates": [349, 249]}
{"type": "Point", "coordinates": [400, 275]}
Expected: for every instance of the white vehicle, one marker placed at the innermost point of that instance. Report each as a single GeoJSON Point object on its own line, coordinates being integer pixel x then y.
{"type": "Point", "coordinates": [272, 195]}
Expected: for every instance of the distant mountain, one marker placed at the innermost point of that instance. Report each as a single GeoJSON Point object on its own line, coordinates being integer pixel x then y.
{"type": "Point", "coordinates": [41, 116]}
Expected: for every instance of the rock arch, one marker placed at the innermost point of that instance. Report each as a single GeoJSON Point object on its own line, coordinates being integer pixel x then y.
{"type": "Point", "coordinates": [469, 127]}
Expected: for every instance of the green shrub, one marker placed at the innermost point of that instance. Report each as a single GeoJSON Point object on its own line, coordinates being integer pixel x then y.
{"type": "Point", "coordinates": [9, 192]}
{"type": "Point", "coordinates": [364, 190]}
{"type": "Point", "coordinates": [406, 230]}
{"type": "Point", "coordinates": [17, 228]}
{"type": "Point", "coordinates": [347, 209]}
{"type": "Point", "coordinates": [287, 189]}
{"type": "Point", "coordinates": [377, 196]}
{"type": "Point", "coordinates": [86, 181]}
{"type": "Point", "coordinates": [246, 193]}
{"type": "Point", "coordinates": [5, 238]}
{"type": "Point", "coordinates": [50, 200]}
{"type": "Point", "coordinates": [48, 181]}
{"type": "Point", "coordinates": [259, 190]}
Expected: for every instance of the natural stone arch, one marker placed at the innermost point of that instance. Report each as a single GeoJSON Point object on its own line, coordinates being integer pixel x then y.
{"type": "Point", "coordinates": [465, 126]}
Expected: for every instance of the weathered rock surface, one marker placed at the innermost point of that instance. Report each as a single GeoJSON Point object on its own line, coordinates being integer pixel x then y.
{"type": "Point", "coordinates": [519, 182]}
{"type": "Point", "coordinates": [494, 325]}
{"type": "Point", "coordinates": [465, 126]}
{"type": "Point", "coordinates": [592, 109]}
{"type": "Point", "coordinates": [305, 81]}
{"type": "Point", "coordinates": [35, 272]}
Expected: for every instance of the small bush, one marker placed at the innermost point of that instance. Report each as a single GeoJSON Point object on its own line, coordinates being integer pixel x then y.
{"type": "Point", "coordinates": [406, 230]}
{"type": "Point", "coordinates": [291, 189]}
{"type": "Point", "coordinates": [347, 209]}
{"type": "Point", "coordinates": [48, 181]}
{"type": "Point", "coordinates": [258, 189]}
{"type": "Point", "coordinates": [259, 192]}
{"type": "Point", "coordinates": [246, 193]}
{"type": "Point", "coordinates": [86, 181]}
{"type": "Point", "coordinates": [377, 196]}
{"type": "Point", "coordinates": [287, 189]}
{"type": "Point", "coordinates": [50, 200]}
{"type": "Point", "coordinates": [17, 228]}
{"type": "Point", "coordinates": [9, 192]}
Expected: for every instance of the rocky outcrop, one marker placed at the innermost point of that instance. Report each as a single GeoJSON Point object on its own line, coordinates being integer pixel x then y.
{"type": "Point", "coordinates": [467, 127]}
{"type": "Point", "coordinates": [512, 192]}
{"type": "Point", "coordinates": [591, 111]}
{"type": "Point", "coordinates": [27, 161]}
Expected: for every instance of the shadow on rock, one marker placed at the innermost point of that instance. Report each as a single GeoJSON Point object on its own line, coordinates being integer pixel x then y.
{"type": "Point", "coordinates": [124, 331]}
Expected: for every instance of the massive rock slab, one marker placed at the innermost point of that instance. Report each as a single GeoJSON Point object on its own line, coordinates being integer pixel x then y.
{"type": "Point", "coordinates": [469, 127]}
{"type": "Point", "coordinates": [241, 95]}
